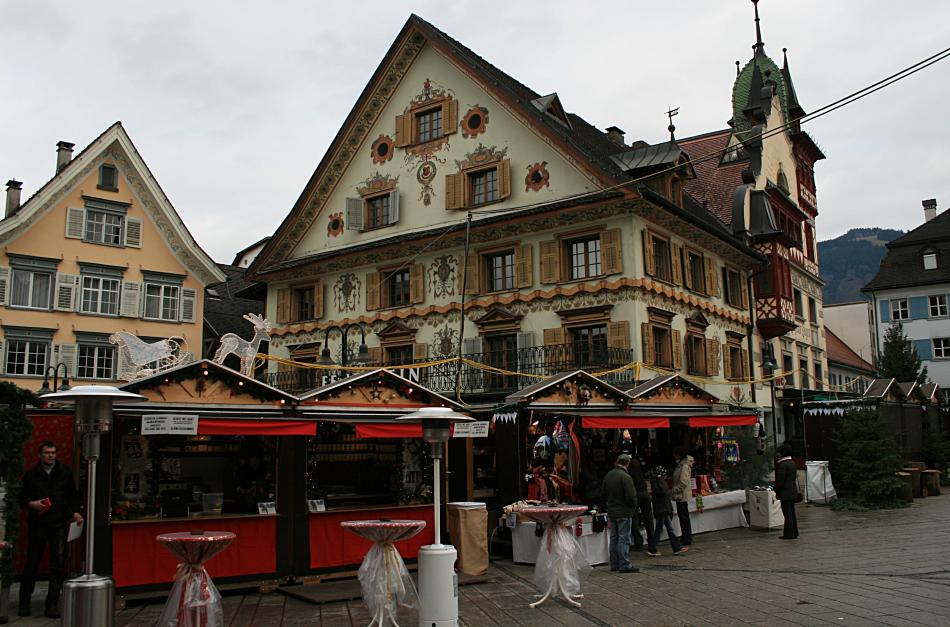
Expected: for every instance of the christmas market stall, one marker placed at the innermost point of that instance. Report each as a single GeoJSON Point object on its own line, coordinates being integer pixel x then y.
{"type": "Point", "coordinates": [365, 465]}
{"type": "Point", "coordinates": [211, 449]}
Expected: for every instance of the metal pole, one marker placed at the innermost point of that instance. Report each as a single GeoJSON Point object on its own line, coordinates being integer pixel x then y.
{"type": "Point", "coordinates": [437, 490]}
{"type": "Point", "coordinates": [90, 509]}
{"type": "Point", "coordinates": [458, 365]}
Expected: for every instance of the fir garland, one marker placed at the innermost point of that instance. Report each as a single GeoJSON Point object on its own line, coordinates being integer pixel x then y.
{"type": "Point", "coordinates": [16, 431]}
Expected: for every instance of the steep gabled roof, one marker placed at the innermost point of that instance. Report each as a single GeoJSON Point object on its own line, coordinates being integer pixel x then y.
{"type": "Point", "coordinates": [903, 266]}
{"type": "Point", "coordinates": [841, 353]}
{"type": "Point", "coordinates": [590, 147]}
{"type": "Point", "coordinates": [716, 180]}
{"type": "Point", "coordinates": [154, 201]}
{"type": "Point", "coordinates": [224, 309]}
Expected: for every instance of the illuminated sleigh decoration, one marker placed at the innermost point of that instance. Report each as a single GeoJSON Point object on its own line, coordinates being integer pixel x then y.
{"type": "Point", "coordinates": [142, 359]}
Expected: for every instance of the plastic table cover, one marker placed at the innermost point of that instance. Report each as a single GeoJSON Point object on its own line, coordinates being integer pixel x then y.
{"type": "Point", "coordinates": [194, 600]}
{"type": "Point", "coordinates": [561, 566]}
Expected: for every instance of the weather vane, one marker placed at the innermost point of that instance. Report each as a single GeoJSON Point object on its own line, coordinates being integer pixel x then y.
{"type": "Point", "coordinates": [670, 113]}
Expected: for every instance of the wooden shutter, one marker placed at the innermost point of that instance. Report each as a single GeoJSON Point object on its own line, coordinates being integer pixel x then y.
{"type": "Point", "coordinates": [403, 130]}
{"type": "Point", "coordinates": [556, 336]}
{"type": "Point", "coordinates": [677, 349]}
{"type": "Point", "coordinates": [189, 297]}
{"type": "Point", "coordinates": [618, 334]}
{"type": "Point", "coordinates": [745, 362]}
{"type": "Point", "coordinates": [524, 266]}
{"type": "Point", "coordinates": [504, 178]}
{"type": "Point", "coordinates": [394, 206]}
{"type": "Point", "coordinates": [712, 277]}
{"type": "Point", "coordinates": [470, 275]}
{"type": "Point", "coordinates": [550, 262]}
{"type": "Point", "coordinates": [727, 362]}
{"type": "Point", "coordinates": [649, 263]}
{"type": "Point", "coordinates": [687, 270]}
{"type": "Point", "coordinates": [420, 352]}
{"type": "Point", "coordinates": [450, 116]}
{"type": "Point", "coordinates": [455, 191]}
{"type": "Point", "coordinates": [712, 357]}
{"type": "Point", "coordinates": [612, 251]}
{"type": "Point", "coordinates": [676, 263]}
{"type": "Point", "coordinates": [417, 284]}
{"type": "Point", "coordinates": [373, 289]}
{"type": "Point", "coordinates": [318, 300]}
{"type": "Point", "coordinates": [354, 214]}
{"type": "Point", "coordinates": [67, 354]}
{"type": "Point", "coordinates": [133, 232]}
{"type": "Point", "coordinates": [4, 287]}
{"type": "Point", "coordinates": [284, 305]}
{"type": "Point", "coordinates": [375, 355]}
{"type": "Point", "coordinates": [646, 342]}
{"type": "Point", "coordinates": [743, 292]}
{"type": "Point", "coordinates": [67, 291]}
{"type": "Point", "coordinates": [75, 222]}
{"type": "Point", "coordinates": [132, 296]}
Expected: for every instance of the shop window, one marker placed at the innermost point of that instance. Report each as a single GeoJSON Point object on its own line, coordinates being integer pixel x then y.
{"type": "Point", "coordinates": [500, 270]}
{"type": "Point", "coordinates": [930, 261]}
{"type": "Point", "coordinates": [938, 305]}
{"type": "Point", "coordinates": [96, 361]}
{"type": "Point", "coordinates": [428, 125]}
{"type": "Point", "coordinates": [941, 348]}
{"type": "Point", "coordinates": [31, 288]}
{"type": "Point", "coordinates": [583, 257]}
{"type": "Point", "coordinates": [900, 309]}
{"type": "Point", "coordinates": [395, 288]}
{"type": "Point", "coordinates": [108, 178]}
{"type": "Point", "coordinates": [736, 293]}
{"type": "Point", "coordinates": [695, 275]}
{"type": "Point", "coordinates": [695, 354]}
{"type": "Point", "coordinates": [26, 356]}
{"type": "Point", "coordinates": [100, 295]}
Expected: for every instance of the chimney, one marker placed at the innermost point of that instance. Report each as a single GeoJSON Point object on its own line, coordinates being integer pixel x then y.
{"type": "Point", "coordinates": [930, 209]}
{"type": "Point", "coordinates": [615, 135]}
{"type": "Point", "coordinates": [13, 197]}
{"type": "Point", "coordinates": [64, 153]}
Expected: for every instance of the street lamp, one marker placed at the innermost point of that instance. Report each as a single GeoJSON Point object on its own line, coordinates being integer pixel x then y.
{"type": "Point", "coordinates": [362, 355]}
{"type": "Point", "coordinates": [89, 600]}
{"type": "Point", "coordinates": [438, 583]}
{"type": "Point", "coordinates": [45, 389]}
{"type": "Point", "coordinates": [769, 365]}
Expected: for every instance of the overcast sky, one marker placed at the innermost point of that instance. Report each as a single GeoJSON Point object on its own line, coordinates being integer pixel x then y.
{"type": "Point", "coordinates": [232, 104]}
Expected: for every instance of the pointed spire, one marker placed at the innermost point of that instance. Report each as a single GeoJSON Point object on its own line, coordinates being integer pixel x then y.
{"type": "Point", "coordinates": [671, 128]}
{"type": "Point", "coordinates": [794, 108]}
{"type": "Point", "coordinates": [759, 44]}
{"type": "Point", "coordinates": [737, 69]}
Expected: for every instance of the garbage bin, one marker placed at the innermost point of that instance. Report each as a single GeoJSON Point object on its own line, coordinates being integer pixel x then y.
{"type": "Point", "coordinates": [468, 530]}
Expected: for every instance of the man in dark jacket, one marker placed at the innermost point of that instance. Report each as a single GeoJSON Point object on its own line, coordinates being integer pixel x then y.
{"type": "Point", "coordinates": [49, 494]}
{"type": "Point", "coordinates": [786, 489]}
{"type": "Point", "coordinates": [643, 515]}
{"type": "Point", "coordinates": [621, 503]}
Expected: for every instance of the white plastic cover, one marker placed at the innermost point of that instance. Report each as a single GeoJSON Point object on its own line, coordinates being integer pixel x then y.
{"type": "Point", "coordinates": [385, 581]}
{"type": "Point", "coordinates": [194, 600]}
{"type": "Point", "coordinates": [818, 485]}
{"type": "Point", "coordinates": [561, 563]}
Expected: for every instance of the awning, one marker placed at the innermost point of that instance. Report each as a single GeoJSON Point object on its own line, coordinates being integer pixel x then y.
{"type": "Point", "coordinates": [389, 430]}
{"type": "Point", "coordinates": [741, 420]}
{"type": "Point", "coordinates": [625, 422]}
{"type": "Point", "coordinates": [214, 426]}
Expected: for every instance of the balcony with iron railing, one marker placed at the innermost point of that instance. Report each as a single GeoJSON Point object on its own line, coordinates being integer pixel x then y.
{"type": "Point", "coordinates": [505, 371]}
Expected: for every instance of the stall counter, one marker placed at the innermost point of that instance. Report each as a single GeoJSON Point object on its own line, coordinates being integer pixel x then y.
{"type": "Point", "coordinates": [137, 559]}
{"type": "Point", "coordinates": [332, 547]}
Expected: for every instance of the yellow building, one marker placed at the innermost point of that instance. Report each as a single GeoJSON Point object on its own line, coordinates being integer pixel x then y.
{"type": "Point", "coordinates": [97, 249]}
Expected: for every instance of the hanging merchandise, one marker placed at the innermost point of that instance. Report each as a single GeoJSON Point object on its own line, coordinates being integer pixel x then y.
{"type": "Point", "coordinates": [758, 432]}
{"type": "Point", "coordinates": [730, 452]}
{"type": "Point", "coordinates": [699, 503]}
{"type": "Point", "coordinates": [562, 437]}
{"type": "Point", "coordinates": [543, 447]}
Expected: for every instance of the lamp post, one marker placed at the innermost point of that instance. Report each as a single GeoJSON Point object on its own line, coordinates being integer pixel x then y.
{"type": "Point", "coordinates": [45, 389]}
{"type": "Point", "coordinates": [362, 355]}
{"type": "Point", "coordinates": [89, 600]}
{"type": "Point", "coordinates": [438, 583]}
{"type": "Point", "coordinates": [769, 365]}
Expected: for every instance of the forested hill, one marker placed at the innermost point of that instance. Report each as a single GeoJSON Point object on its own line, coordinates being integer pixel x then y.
{"type": "Point", "coordinates": [848, 262]}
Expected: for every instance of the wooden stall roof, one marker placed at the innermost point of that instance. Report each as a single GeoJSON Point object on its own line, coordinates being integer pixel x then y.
{"type": "Point", "coordinates": [570, 392]}
{"type": "Point", "coordinates": [670, 389]}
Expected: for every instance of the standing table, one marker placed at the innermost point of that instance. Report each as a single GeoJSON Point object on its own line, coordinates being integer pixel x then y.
{"type": "Point", "coordinates": [384, 578]}
{"type": "Point", "coordinates": [194, 600]}
{"type": "Point", "coordinates": [561, 564]}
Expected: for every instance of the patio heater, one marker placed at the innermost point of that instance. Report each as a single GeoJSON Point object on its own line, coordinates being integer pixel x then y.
{"type": "Point", "coordinates": [89, 599]}
{"type": "Point", "coordinates": [438, 583]}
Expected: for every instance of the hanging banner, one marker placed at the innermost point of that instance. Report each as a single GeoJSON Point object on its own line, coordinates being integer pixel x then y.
{"type": "Point", "coordinates": [478, 429]}
{"type": "Point", "coordinates": [170, 424]}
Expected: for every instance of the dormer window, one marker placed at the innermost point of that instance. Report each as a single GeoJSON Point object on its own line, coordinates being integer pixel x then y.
{"type": "Point", "coordinates": [930, 261]}
{"type": "Point", "coordinates": [108, 178]}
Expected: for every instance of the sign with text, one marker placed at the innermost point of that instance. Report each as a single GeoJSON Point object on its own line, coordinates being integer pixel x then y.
{"type": "Point", "coordinates": [477, 429]}
{"type": "Point", "coordinates": [170, 424]}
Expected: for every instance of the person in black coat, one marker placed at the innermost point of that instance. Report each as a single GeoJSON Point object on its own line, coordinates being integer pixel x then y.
{"type": "Point", "coordinates": [786, 489]}
{"type": "Point", "coordinates": [644, 512]}
{"type": "Point", "coordinates": [663, 512]}
{"type": "Point", "coordinates": [50, 497]}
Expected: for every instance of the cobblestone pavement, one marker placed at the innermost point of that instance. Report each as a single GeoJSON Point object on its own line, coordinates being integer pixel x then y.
{"type": "Point", "coordinates": [875, 568]}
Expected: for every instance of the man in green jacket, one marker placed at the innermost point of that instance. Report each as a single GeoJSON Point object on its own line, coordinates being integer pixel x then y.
{"type": "Point", "coordinates": [621, 496]}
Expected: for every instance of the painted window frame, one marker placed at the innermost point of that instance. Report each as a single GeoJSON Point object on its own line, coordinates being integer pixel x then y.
{"type": "Point", "coordinates": [567, 245]}
{"type": "Point", "coordinates": [491, 194]}
{"type": "Point", "coordinates": [930, 261]}
{"type": "Point", "coordinates": [937, 305]}
{"type": "Point", "coordinates": [662, 257]}
{"type": "Point", "coordinates": [34, 341]}
{"type": "Point", "coordinates": [389, 287]}
{"type": "Point", "coordinates": [104, 182]}
{"type": "Point", "coordinates": [900, 309]}
{"type": "Point", "coordinates": [427, 114]}
{"type": "Point", "coordinates": [508, 270]}
{"type": "Point", "coordinates": [694, 272]}
{"type": "Point", "coordinates": [941, 347]}
{"type": "Point", "coordinates": [102, 351]}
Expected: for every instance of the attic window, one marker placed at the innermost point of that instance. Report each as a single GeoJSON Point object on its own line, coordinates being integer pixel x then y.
{"type": "Point", "coordinates": [108, 178]}
{"type": "Point", "coordinates": [930, 261]}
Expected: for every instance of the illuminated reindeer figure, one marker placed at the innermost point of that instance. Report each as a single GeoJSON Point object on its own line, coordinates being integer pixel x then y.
{"type": "Point", "coordinates": [246, 350]}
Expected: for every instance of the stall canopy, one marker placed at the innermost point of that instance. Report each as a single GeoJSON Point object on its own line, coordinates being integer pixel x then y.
{"type": "Point", "coordinates": [737, 420]}
{"type": "Point", "coordinates": [226, 426]}
{"type": "Point", "coordinates": [625, 422]}
{"type": "Point", "coordinates": [576, 392]}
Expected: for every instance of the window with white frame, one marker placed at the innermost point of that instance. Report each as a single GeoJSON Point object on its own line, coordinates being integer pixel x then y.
{"type": "Point", "coordinates": [96, 361]}
{"type": "Point", "coordinates": [103, 227]}
{"type": "Point", "coordinates": [100, 295]}
{"type": "Point", "coordinates": [941, 347]}
{"type": "Point", "coordinates": [27, 351]}
{"type": "Point", "coordinates": [930, 261]}
{"type": "Point", "coordinates": [31, 288]}
{"type": "Point", "coordinates": [900, 309]}
{"type": "Point", "coordinates": [938, 305]}
{"type": "Point", "coordinates": [161, 301]}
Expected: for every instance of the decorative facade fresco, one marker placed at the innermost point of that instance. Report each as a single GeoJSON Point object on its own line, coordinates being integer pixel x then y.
{"type": "Point", "coordinates": [335, 224]}
{"type": "Point", "coordinates": [346, 292]}
{"type": "Point", "coordinates": [383, 149]}
{"type": "Point", "coordinates": [425, 175]}
{"type": "Point", "coordinates": [442, 275]}
{"type": "Point", "coordinates": [423, 158]}
{"type": "Point", "coordinates": [537, 177]}
{"type": "Point", "coordinates": [474, 122]}
{"type": "Point", "coordinates": [481, 155]}
{"type": "Point", "coordinates": [377, 183]}
{"type": "Point", "coordinates": [445, 342]}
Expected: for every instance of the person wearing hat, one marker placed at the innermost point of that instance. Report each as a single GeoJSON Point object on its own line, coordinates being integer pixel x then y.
{"type": "Point", "coordinates": [663, 513]}
{"type": "Point", "coordinates": [621, 496]}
